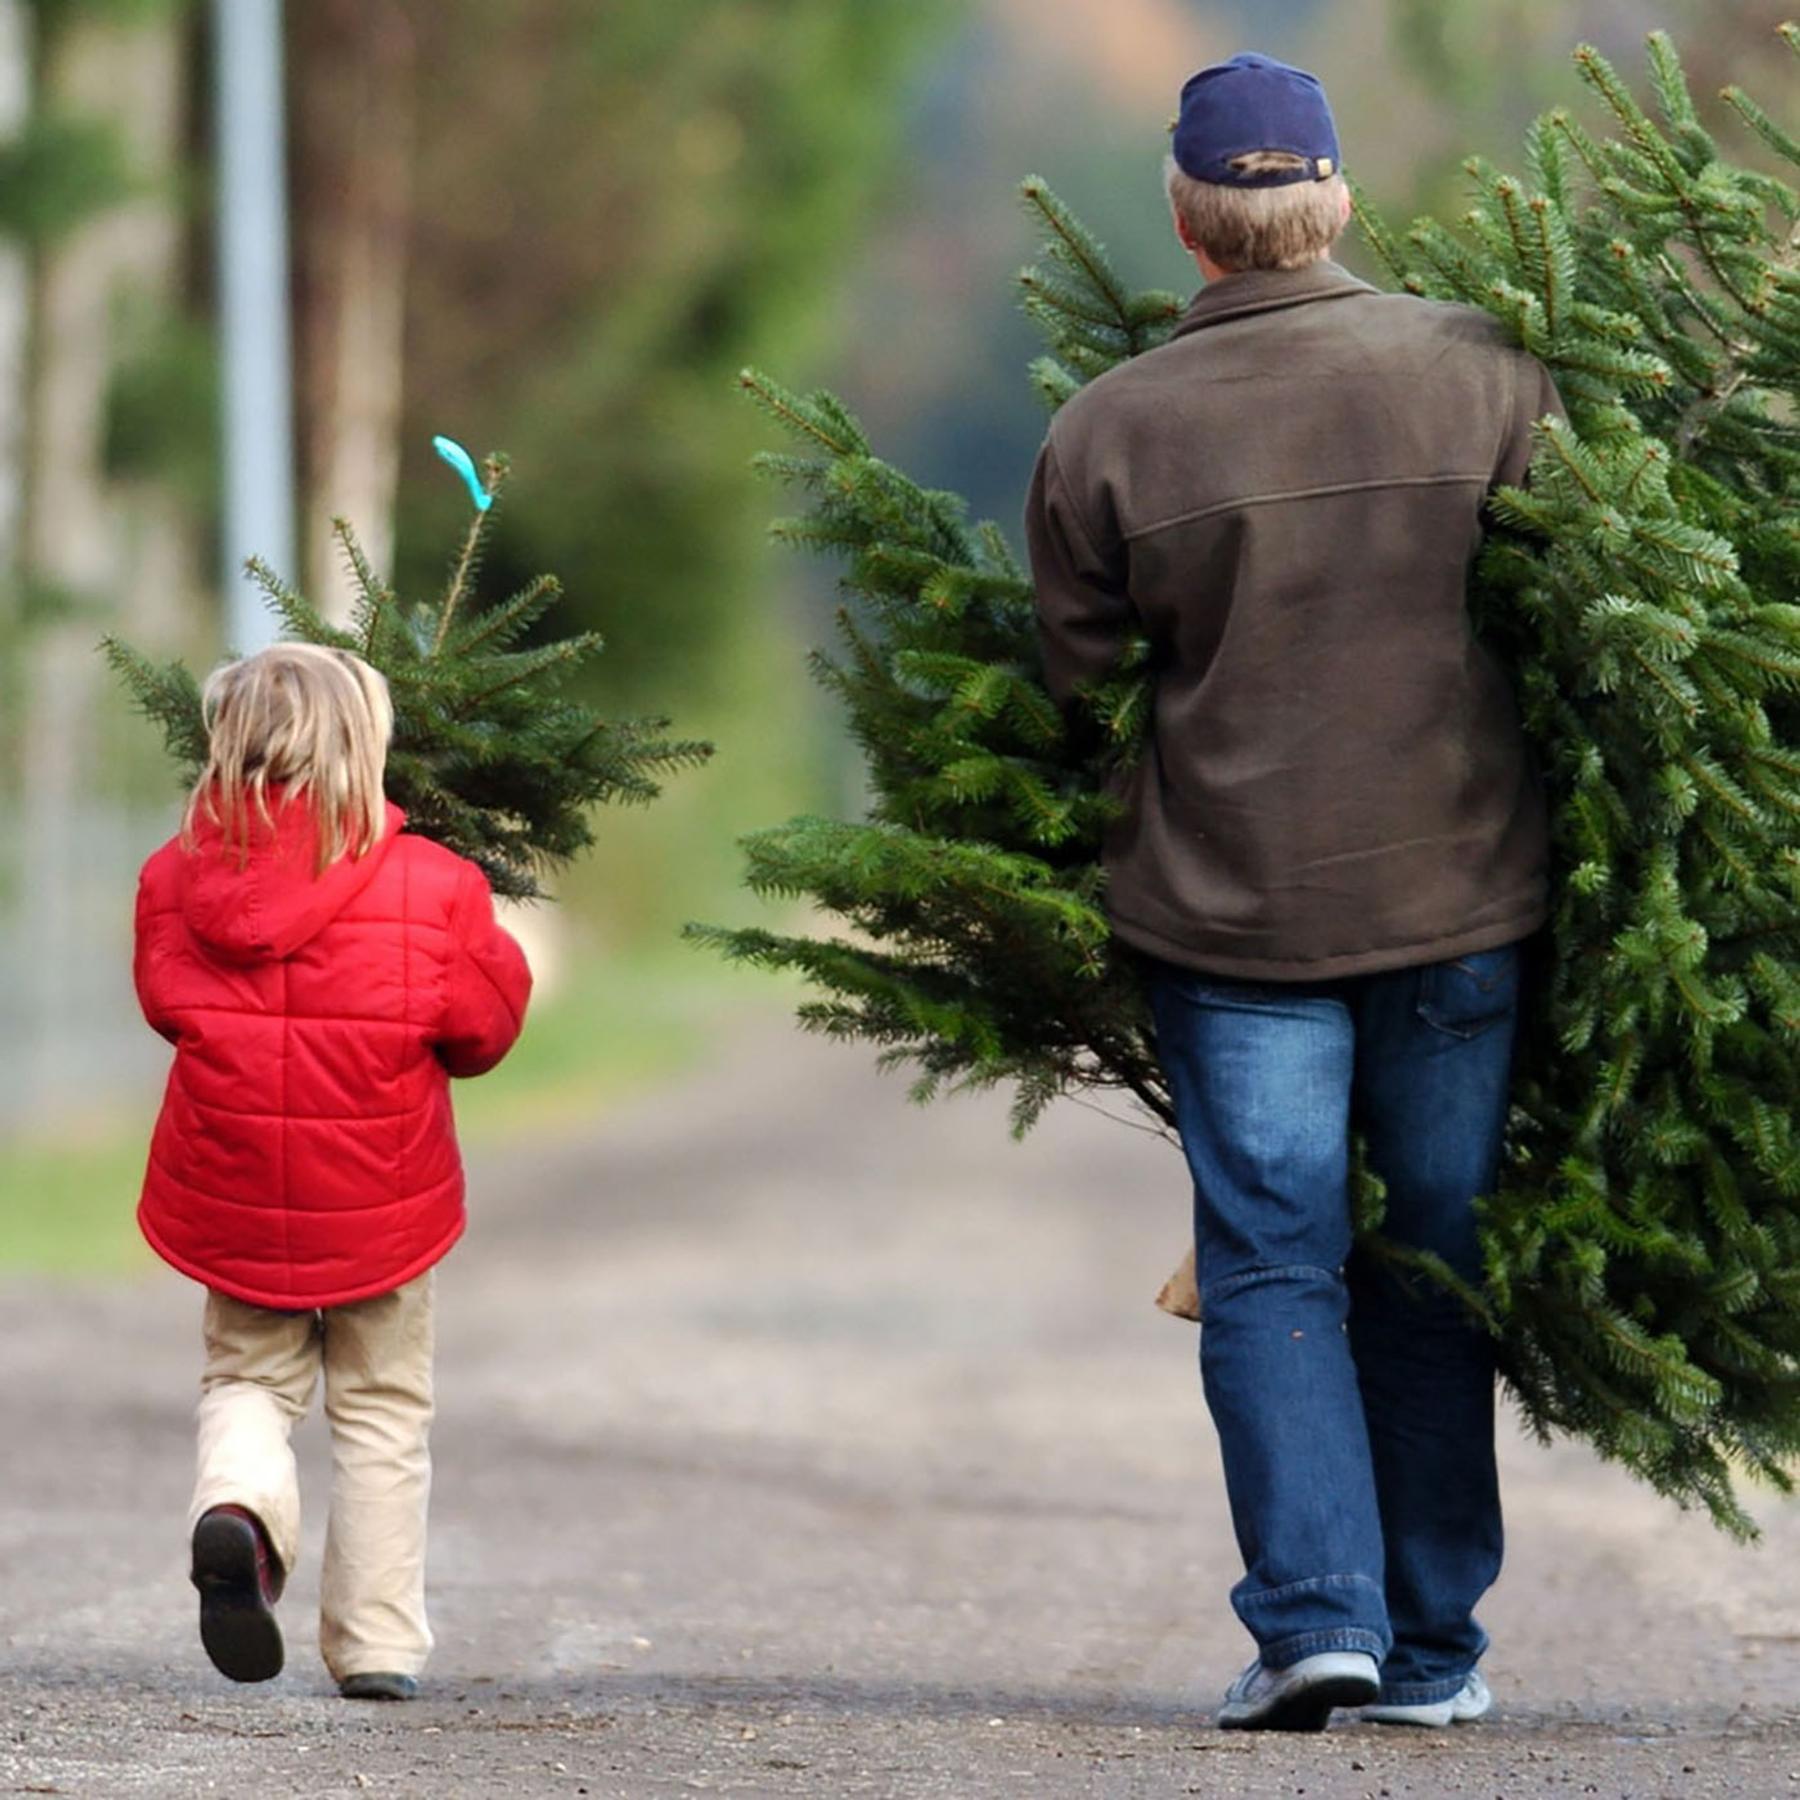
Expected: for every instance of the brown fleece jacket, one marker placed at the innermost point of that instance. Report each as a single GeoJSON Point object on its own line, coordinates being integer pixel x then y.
{"type": "Point", "coordinates": [1285, 499]}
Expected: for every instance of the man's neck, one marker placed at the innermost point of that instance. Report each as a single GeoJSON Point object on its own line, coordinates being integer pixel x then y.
{"type": "Point", "coordinates": [1212, 272]}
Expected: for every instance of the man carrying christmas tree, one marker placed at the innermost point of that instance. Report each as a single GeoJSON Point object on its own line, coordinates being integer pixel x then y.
{"type": "Point", "coordinates": [1327, 854]}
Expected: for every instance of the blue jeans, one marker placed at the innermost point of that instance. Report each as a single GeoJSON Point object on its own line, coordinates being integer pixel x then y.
{"type": "Point", "coordinates": [1354, 1405]}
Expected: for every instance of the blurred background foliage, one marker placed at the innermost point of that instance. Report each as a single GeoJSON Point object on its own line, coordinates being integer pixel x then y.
{"type": "Point", "coordinates": [558, 228]}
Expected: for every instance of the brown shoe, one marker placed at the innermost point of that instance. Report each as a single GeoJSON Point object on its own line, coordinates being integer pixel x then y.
{"type": "Point", "coordinates": [239, 1580]}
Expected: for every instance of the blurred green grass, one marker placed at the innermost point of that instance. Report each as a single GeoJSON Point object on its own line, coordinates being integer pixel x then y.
{"type": "Point", "coordinates": [616, 1028]}
{"type": "Point", "coordinates": [67, 1198]}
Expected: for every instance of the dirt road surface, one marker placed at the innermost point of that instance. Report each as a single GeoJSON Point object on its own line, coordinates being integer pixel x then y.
{"type": "Point", "coordinates": [794, 1442]}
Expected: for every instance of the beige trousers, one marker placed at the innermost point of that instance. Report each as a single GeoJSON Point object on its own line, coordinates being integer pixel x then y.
{"type": "Point", "coordinates": [261, 1370]}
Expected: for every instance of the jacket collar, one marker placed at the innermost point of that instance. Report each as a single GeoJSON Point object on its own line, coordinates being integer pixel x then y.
{"type": "Point", "coordinates": [1265, 290]}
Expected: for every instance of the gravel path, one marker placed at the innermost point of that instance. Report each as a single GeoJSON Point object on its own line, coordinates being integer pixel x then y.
{"type": "Point", "coordinates": [793, 1442]}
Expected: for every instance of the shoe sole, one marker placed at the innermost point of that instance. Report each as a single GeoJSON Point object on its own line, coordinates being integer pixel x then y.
{"type": "Point", "coordinates": [378, 1687]}
{"type": "Point", "coordinates": [1426, 1721]}
{"type": "Point", "coordinates": [1309, 1708]}
{"type": "Point", "coordinates": [1439, 1715]}
{"type": "Point", "coordinates": [237, 1629]}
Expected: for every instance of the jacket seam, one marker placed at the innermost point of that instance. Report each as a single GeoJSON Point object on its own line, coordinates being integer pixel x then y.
{"type": "Point", "coordinates": [515, 1014]}
{"type": "Point", "coordinates": [289, 1209]}
{"type": "Point", "coordinates": [1307, 493]}
{"type": "Point", "coordinates": [512, 1012]}
{"type": "Point", "coordinates": [296, 1018]}
{"type": "Point", "coordinates": [174, 909]}
{"type": "Point", "coordinates": [281, 1125]}
{"type": "Point", "coordinates": [406, 1008]}
{"type": "Point", "coordinates": [1508, 426]}
{"type": "Point", "coordinates": [299, 1118]}
{"type": "Point", "coordinates": [1076, 516]}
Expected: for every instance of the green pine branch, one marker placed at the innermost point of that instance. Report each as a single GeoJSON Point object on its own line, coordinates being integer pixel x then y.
{"type": "Point", "coordinates": [1641, 1249]}
{"type": "Point", "coordinates": [494, 754]}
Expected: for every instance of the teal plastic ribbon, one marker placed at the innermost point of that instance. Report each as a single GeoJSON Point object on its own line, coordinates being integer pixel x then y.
{"type": "Point", "coordinates": [464, 464]}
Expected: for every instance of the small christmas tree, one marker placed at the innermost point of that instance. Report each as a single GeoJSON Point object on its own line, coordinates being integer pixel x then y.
{"type": "Point", "coordinates": [1643, 1254]}
{"type": "Point", "coordinates": [492, 755]}
{"type": "Point", "coordinates": [975, 882]}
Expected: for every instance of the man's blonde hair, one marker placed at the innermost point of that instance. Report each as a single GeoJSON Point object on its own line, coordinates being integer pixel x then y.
{"type": "Point", "coordinates": [311, 721]}
{"type": "Point", "coordinates": [1283, 227]}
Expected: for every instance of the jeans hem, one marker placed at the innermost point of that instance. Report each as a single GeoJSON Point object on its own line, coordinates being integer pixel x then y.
{"type": "Point", "coordinates": [1424, 1693]}
{"type": "Point", "coordinates": [1265, 1610]}
{"type": "Point", "coordinates": [1285, 1652]}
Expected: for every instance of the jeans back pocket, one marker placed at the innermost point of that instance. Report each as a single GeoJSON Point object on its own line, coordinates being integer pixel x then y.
{"type": "Point", "coordinates": [1469, 994]}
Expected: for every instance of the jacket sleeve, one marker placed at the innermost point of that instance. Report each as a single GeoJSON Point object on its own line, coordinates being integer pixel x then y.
{"type": "Point", "coordinates": [1534, 395]}
{"type": "Point", "coordinates": [489, 983]}
{"type": "Point", "coordinates": [146, 966]}
{"type": "Point", "coordinates": [1085, 617]}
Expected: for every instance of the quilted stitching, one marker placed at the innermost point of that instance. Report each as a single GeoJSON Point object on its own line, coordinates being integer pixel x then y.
{"type": "Point", "coordinates": [305, 1155]}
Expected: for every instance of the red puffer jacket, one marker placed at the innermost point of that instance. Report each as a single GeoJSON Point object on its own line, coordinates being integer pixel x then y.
{"type": "Point", "coordinates": [305, 1155]}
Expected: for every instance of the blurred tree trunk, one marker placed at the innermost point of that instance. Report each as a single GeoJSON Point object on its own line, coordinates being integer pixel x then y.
{"type": "Point", "coordinates": [1478, 70]}
{"type": "Point", "coordinates": [1721, 44]}
{"type": "Point", "coordinates": [15, 308]}
{"type": "Point", "coordinates": [95, 544]}
{"type": "Point", "coordinates": [105, 278]}
{"type": "Point", "coordinates": [351, 80]}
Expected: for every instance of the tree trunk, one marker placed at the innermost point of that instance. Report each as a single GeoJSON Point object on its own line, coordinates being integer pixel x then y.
{"type": "Point", "coordinates": [352, 77]}
{"type": "Point", "coordinates": [83, 536]}
{"type": "Point", "coordinates": [115, 552]}
{"type": "Point", "coordinates": [15, 308]}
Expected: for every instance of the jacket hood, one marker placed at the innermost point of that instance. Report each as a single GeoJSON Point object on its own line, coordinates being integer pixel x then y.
{"type": "Point", "coordinates": [274, 903]}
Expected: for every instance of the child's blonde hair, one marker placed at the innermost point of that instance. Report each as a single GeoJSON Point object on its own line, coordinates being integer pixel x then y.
{"type": "Point", "coordinates": [312, 721]}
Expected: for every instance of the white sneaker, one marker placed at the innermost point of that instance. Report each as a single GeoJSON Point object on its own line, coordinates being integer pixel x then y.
{"type": "Point", "coordinates": [1301, 1696]}
{"type": "Point", "coordinates": [1470, 1702]}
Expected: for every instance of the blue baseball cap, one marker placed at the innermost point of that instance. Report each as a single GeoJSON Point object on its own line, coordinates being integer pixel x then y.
{"type": "Point", "coordinates": [1234, 109]}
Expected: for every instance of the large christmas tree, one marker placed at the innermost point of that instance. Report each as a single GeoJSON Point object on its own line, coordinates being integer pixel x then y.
{"type": "Point", "coordinates": [495, 753]}
{"type": "Point", "coordinates": [1643, 1254]}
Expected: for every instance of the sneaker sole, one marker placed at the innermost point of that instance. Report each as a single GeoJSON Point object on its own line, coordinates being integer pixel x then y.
{"type": "Point", "coordinates": [378, 1687]}
{"type": "Point", "coordinates": [237, 1629]}
{"type": "Point", "coordinates": [1461, 1708]}
{"type": "Point", "coordinates": [1309, 1708]}
{"type": "Point", "coordinates": [1422, 1718]}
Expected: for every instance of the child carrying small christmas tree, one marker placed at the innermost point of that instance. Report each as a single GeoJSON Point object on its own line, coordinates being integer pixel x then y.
{"type": "Point", "coordinates": [322, 976]}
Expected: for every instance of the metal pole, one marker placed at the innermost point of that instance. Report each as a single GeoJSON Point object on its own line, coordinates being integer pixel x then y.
{"type": "Point", "coordinates": [258, 445]}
